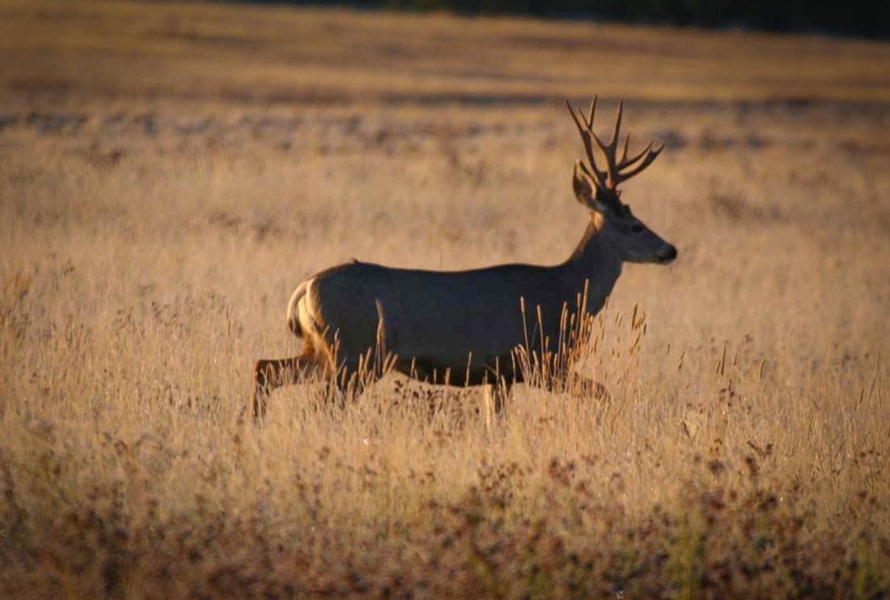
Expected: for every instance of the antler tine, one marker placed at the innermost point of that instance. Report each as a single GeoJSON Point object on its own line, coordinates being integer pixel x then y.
{"type": "Point", "coordinates": [648, 155]}
{"type": "Point", "coordinates": [611, 174]}
{"type": "Point", "coordinates": [624, 152]}
{"type": "Point", "coordinates": [581, 130]}
{"type": "Point", "coordinates": [589, 120]}
{"type": "Point", "coordinates": [614, 142]}
{"type": "Point", "coordinates": [616, 170]}
{"type": "Point", "coordinates": [587, 137]}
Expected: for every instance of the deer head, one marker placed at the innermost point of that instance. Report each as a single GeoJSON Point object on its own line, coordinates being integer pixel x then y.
{"type": "Point", "coordinates": [634, 241]}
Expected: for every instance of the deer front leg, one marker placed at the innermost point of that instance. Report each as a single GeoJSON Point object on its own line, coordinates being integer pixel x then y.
{"type": "Point", "coordinates": [578, 386]}
{"type": "Point", "coordinates": [588, 388]}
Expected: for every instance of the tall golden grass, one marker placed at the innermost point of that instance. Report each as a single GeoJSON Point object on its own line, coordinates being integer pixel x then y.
{"type": "Point", "coordinates": [159, 201]}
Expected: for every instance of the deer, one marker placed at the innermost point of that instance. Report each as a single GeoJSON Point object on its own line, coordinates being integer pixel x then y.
{"type": "Point", "coordinates": [359, 320]}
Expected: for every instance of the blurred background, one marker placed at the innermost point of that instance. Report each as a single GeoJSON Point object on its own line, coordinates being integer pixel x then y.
{"type": "Point", "coordinates": [859, 17]}
{"type": "Point", "coordinates": [170, 171]}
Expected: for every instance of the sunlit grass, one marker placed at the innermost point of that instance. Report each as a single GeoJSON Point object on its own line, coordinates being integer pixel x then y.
{"type": "Point", "coordinates": [159, 202]}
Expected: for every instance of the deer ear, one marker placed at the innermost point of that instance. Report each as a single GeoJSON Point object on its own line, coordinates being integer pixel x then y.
{"type": "Point", "coordinates": [584, 192]}
{"type": "Point", "coordinates": [582, 188]}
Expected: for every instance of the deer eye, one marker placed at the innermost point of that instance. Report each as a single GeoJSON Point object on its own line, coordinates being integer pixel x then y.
{"type": "Point", "coordinates": [637, 228]}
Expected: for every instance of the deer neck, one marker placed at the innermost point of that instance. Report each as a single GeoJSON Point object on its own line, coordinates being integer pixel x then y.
{"type": "Point", "coordinates": [595, 260]}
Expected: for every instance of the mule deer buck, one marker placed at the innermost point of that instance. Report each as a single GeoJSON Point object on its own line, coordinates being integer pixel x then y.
{"type": "Point", "coordinates": [464, 328]}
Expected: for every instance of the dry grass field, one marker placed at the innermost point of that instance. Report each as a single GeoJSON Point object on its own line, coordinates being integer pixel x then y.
{"type": "Point", "coordinates": [169, 173]}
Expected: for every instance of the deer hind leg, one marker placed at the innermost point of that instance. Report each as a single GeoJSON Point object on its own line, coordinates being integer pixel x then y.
{"type": "Point", "coordinates": [494, 398]}
{"type": "Point", "coordinates": [270, 374]}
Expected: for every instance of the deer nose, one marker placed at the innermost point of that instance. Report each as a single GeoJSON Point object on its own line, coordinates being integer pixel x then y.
{"type": "Point", "coordinates": [666, 254]}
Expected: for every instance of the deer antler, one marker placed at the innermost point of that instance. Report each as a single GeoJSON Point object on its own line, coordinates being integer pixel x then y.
{"type": "Point", "coordinates": [617, 170]}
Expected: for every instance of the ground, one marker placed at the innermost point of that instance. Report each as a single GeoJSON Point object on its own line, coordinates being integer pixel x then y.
{"type": "Point", "coordinates": [170, 172]}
